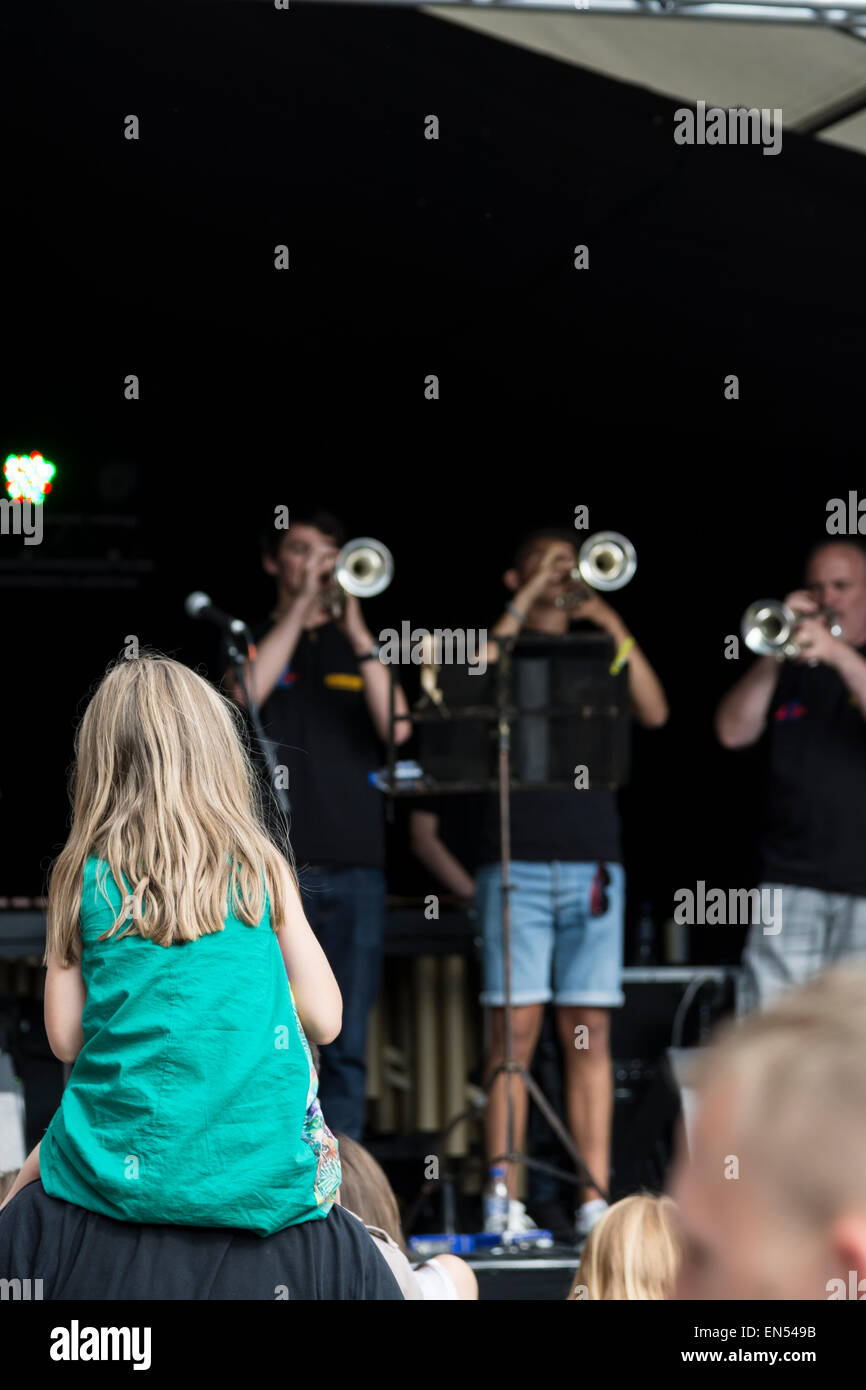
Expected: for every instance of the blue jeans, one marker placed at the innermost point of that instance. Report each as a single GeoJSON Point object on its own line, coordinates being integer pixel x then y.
{"type": "Point", "coordinates": [345, 906]}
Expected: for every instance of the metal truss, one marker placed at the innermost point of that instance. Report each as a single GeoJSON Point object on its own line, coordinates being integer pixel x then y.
{"type": "Point", "coordinates": [849, 18]}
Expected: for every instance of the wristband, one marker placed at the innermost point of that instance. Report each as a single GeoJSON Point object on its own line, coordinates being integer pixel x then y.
{"type": "Point", "coordinates": [622, 656]}
{"type": "Point", "coordinates": [515, 612]}
{"type": "Point", "coordinates": [371, 655]}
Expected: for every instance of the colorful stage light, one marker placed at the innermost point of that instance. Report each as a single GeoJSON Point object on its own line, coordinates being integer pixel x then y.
{"type": "Point", "coordinates": [28, 477]}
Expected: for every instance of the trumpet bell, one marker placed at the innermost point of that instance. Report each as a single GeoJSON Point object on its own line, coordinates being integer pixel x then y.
{"type": "Point", "coordinates": [607, 560]}
{"type": "Point", "coordinates": [365, 567]}
{"type": "Point", "coordinates": [767, 627]}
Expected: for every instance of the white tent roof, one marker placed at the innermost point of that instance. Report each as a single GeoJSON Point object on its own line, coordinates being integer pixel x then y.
{"type": "Point", "coordinates": [816, 74]}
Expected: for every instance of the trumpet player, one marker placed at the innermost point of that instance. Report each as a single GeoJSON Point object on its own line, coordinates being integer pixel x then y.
{"type": "Point", "coordinates": [324, 701]}
{"type": "Point", "coordinates": [811, 708]}
{"type": "Point", "coordinates": [568, 896]}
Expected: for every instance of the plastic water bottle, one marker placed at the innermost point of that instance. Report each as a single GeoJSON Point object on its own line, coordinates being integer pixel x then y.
{"type": "Point", "coordinates": [496, 1201]}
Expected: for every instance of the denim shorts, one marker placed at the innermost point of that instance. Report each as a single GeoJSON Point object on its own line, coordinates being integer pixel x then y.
{"type": "Point", "coordinates": [559, 951]}
{"type": "Point", "coordinates": [813, 930]}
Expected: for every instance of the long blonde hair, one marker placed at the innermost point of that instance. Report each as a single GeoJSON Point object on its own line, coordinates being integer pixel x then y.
{"type": "Point", "coordinates": [632, 1252]}
{"type": "Point", "coordinates": [163, 789]}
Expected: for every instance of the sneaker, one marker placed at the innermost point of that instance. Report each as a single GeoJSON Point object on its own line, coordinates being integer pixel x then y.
{"type": "Point", "coordinates": [518, 1217]}
{"type": "Point", "coordinates": [587, 1215]}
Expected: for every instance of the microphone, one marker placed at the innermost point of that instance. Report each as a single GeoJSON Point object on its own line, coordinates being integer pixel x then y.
{"type": "Point", "coordinates": [198, 605]}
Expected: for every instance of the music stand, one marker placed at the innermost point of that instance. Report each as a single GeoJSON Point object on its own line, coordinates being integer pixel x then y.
{"type": "Point", "coordinates": [610, 703]}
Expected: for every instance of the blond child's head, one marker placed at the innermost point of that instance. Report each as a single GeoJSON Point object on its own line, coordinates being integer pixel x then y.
{"type": "Point", "coordinates": [163, 789]}
{"type": "Point", "coordinates": [632, 1252]}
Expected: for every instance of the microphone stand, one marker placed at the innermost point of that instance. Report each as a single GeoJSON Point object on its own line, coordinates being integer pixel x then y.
{"type": "Point", "coordinates": [509, 1068]}
{"type": "Point", "coordinates": [239, 655]}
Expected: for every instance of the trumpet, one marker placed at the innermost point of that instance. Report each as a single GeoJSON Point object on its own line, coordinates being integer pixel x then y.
{"type": "Point", "coordinates": [607, 560]}
{"type": "Point", "coordinates": [364, 567]}
{"type": "Point", "coordinates": [767, 628]}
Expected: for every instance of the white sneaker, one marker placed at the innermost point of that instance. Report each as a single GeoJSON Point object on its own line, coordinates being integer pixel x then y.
{"type": "Point", "coordinates": [587, 1215]}
{"type": "Point", "coordinates": [518, 1217]}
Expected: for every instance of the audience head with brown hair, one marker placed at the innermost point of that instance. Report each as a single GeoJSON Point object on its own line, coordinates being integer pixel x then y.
{"type": "Point", "coordinates": [367, 1193]}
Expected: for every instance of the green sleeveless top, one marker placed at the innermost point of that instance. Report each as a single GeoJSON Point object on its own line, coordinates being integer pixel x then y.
{"type": "Point", "coordinates": [194, 1098]}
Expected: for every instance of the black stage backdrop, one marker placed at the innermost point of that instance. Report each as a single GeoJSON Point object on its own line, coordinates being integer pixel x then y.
{"type": "Point", "coordinates": [410, 257]}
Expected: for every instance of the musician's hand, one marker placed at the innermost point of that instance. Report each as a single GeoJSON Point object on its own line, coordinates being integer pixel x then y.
{"type": "Point", "coordinates": [318, 568]}
{"type": "Point", "coordinates": [816, 643]}
{"type": "Point", "coordinates": [801, 601]}
{"type": "Point", "coordinates": [352, 625]}
{"type": "Point", "coordinates": [555, 565]}
{"type": "Point", "coordinates": [597, 610]}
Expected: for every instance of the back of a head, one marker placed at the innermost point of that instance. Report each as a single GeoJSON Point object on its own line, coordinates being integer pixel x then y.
{"type": "Point", "coordinates": [306, 513]}
{"type": "Point", "coordinates": [797, 1080]}
{"type": "Point", "coordinates": [545, 535]}
{"type": "Point", "coordinates": [164, 790]}
{"type": "Point", "coordinates": [632, 1252]}
{"type": "Point", "coordinates": [366, 1191]}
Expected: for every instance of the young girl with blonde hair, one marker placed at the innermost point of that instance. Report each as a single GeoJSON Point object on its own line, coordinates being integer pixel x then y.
{"type": "Point", "coordinates": [183, 979]}
{"type": "Point", "coordinates": [632, 1252]}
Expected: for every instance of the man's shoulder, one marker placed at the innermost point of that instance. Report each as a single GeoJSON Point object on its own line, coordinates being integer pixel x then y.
{"type": "Point", "coordinates": [31, 1204]}
{"type": "Point", "coordinates": [30, 1225]}
{"type": "Point", "coordinates": [354, 1240]}
{"type": "Point", "coordinates": [348, 1229]}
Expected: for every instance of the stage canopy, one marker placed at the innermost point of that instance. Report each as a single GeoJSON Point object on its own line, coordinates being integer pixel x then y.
{"type": "Point", "coordinates": [814, 70]}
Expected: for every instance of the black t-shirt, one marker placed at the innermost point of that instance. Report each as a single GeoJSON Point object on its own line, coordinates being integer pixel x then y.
{"type": "Point", "coordinates": [79, 1254]}
{"type": "Point", "coordinates": [560, 823]}
{"type": "Point", "coordinates": [317, 718]}
{"type": "Point", "coordinates": [816, 801]}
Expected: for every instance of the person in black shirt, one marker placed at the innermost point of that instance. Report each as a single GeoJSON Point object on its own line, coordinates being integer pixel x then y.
{"type": "Point", "coordinates": [813, 716]}
{"type": "Point", "coordinates": [324, 702]}
{"type": "Point", "coordinates": [80, 1255]}
{"type": "Point", "coordinates": [567, 902]}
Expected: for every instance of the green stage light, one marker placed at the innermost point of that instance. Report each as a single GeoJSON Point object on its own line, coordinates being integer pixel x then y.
{"type": "Point", "coordinates": [28, 477]}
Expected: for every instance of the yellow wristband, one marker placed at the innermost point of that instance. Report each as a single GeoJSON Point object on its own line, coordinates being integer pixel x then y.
{"type": "Point", "coordinates": [622, 655]}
